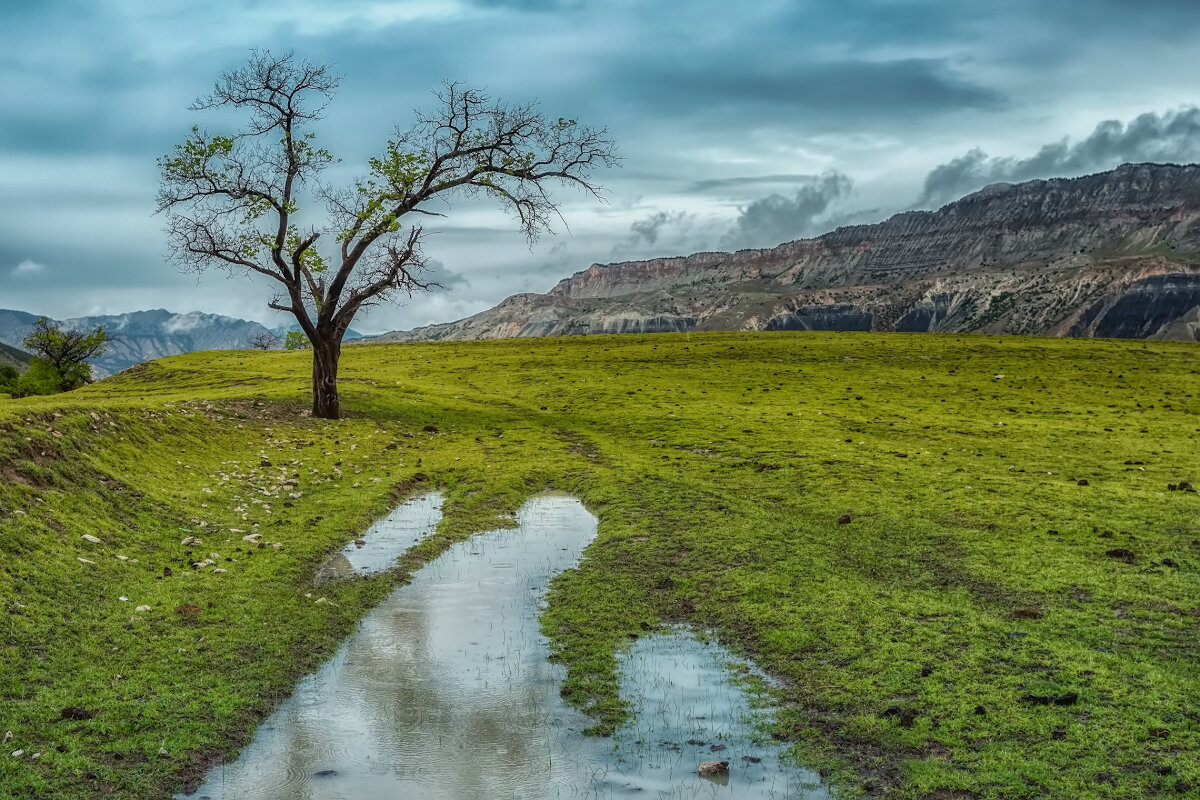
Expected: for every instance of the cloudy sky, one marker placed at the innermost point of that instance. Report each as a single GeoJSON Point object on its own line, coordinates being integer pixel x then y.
{"type": "Point", "coordinates": [738, 126]}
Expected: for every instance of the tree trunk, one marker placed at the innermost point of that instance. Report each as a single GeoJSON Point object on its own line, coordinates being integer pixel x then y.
{"type": "Point", "coordinates": [324, 386]}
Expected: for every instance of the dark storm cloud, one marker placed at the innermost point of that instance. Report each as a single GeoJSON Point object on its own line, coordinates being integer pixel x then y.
{"type": "Point", "coordinates": [1173, 136]}
{"type": "Point", "coordinates": [442, 278]}
{"type": "Point", "coordinates": [645, 231]}
{"type": "Point", "coordinates": [725, 184]}
{"type": "Point", "coordinates": [528, 5]}
{"type": "Point", "coordinates": [775, 218]}
{"type": "Point", "coordinates": [850, 89]}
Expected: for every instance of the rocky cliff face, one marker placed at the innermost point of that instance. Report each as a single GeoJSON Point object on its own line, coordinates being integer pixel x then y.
{"type": "Point", "coordinates": [1112, 254]}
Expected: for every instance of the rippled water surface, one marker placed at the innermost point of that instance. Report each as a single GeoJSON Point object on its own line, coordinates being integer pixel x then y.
{"type": "Point", "coordinates": [445, 691]}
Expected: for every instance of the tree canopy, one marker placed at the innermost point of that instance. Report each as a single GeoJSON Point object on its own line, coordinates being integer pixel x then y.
{"type": "Point", "coordinates": [244, 201]}
{"type": "Point", "coordinates": [60, 357]}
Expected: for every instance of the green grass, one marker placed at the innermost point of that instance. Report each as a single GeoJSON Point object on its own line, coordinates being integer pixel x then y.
{"type": "Point", "coordinates": [719, 466]}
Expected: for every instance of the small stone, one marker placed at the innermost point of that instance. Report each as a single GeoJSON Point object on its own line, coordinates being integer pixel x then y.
{"type": "Point", "coordinates": [162, 752]}
{"type": "Point", "coordinates": [190, 540]}
{"type": "Point", "coordinates": [7, 736]}
{"type": "Point", "coordinates": [844, 519]}
{"type": "Point", "coordinates": [122, 558]}
{"type": "Point", "coordinates": [219, 571]}
{"type": "Point", "coordinates": [716, 748]}
{"type": "Point", "coordinates": [751, 759]}
{"type": "Point", "coordinates": [1058, 734]}
{"type": "Point", "coordinates": [84, 561]}
{"type": "Point", "coordinates": [1169, 562]}
{"type": "Point", "coordinates": [251, 537]}
{"type": "Point", "coordinates": [18, 753]}
{"type": "Point", "coordinates": [87, 537]}
{"type": "Point", "coordinates": [710, 769]}
{"type": "Point", "coordinates": [141, 609]}
{"type": "Point", "coordinates": [1083, 482]}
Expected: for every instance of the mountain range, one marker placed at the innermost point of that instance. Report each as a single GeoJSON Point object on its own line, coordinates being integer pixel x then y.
{"type": "Point", "coordinates": [145, 335]}
{"type": "Point", "coordinates": [1115, 254]}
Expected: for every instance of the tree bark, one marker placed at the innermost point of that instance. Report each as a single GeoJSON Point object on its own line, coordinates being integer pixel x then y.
{"type": "Point", "coordinates": [326, 352]}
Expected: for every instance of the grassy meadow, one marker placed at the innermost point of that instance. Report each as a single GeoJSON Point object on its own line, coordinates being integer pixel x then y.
{"type": "Point", "coordinates": [959, 554]}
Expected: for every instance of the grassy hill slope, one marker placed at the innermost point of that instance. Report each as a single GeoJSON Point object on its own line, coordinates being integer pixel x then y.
{"type": "Point", "coordinates": [912, 532]}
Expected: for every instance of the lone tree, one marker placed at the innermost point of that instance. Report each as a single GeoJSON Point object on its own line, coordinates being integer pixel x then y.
{"type": "Point", "coordinates": [234, 201]}
{"type": "Point", "coordinates": [60, 357]}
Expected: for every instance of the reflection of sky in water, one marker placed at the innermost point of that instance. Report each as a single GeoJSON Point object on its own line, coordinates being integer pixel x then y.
{"type": "Point", "coordinates": [386, 540]}
{"type": "Point", "coordinates": [445, 692]}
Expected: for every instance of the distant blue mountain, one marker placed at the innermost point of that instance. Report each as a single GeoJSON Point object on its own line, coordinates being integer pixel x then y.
{"type": "Point", "coordinates": [146, 335]}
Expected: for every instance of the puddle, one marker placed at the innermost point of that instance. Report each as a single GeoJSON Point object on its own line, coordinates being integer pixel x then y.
{"type": "Point", "coordinates": [444, 691]}
{"type": "Point", "coordinates": [386, 540]}
{"type": "Point", "coordinates": [687, 708]}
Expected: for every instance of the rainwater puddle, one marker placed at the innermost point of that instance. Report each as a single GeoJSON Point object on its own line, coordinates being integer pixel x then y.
{"type": "Point", "coordinates": [445, 691]}
{"type": "Point", "coordinates": [386, 540]}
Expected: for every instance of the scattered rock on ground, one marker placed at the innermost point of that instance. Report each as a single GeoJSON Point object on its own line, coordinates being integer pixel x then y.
{"type": "Point", "coordinates": [710, 769]}
{"type": "Point", "coordinates": [87, 537]}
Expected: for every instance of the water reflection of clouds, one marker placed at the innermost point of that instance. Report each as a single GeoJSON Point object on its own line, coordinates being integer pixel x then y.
{"type": "Point", "coordinates": [446, 691]}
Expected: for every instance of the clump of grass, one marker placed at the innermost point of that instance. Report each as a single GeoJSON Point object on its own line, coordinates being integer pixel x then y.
{"type": "Point", "coordinates": [911, 532]}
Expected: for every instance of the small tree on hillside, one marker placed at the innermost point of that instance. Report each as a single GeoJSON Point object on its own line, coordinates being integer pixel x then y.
{"type": "Point", "coordinates": [235, 201]}
{"type": "Point", "coordinates": [296, 340]}
{"type": "Point", "coordinates": [265, 340]}
{"type": "Point", "coordinates": [60, 357]}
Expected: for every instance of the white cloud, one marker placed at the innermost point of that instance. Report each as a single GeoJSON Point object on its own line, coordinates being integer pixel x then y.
{"type": "Point", "coordinates": [28, 267]}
